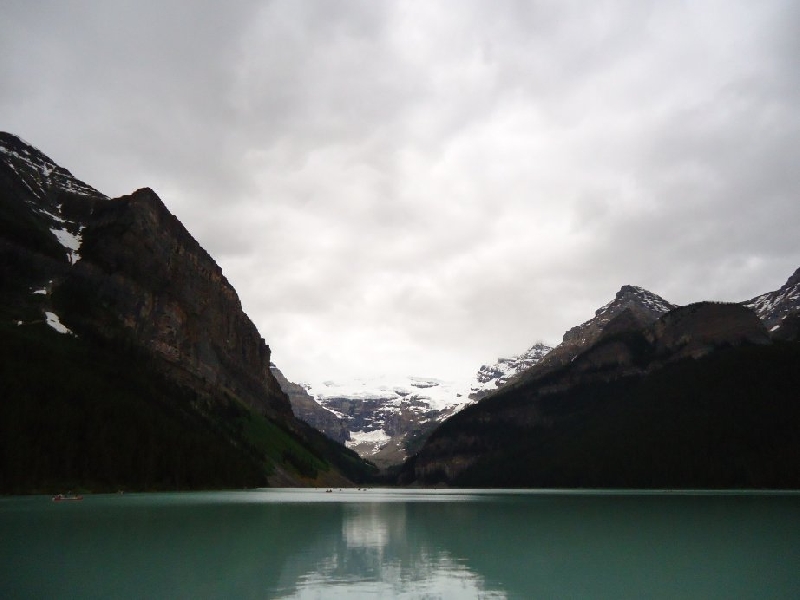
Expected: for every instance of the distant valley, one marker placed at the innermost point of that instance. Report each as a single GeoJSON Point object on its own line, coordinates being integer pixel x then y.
{"type": "Point", "coordinates": [387, 419]}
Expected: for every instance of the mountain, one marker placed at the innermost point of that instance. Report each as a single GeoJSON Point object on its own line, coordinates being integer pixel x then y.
{"type": "Point", "coordinates": [779, 310]}
{"type": "Point", "coordinates": [386, 421]}
{"type": "Point", "coordinates": [308, 410]}
{"type": "Point", "coordinates": [632, 307]}
{"type": "Point", "coordinates": [385, 417]}
{"type": "Point", "coordinates": [492, 377]}
{"type": "Point", "coordinates": [115, 320]}
{"type": "Point", "coordinates": [644, 395]}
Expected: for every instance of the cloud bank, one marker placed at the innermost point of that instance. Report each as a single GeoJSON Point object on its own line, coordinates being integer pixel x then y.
{"type": "Point", "coordinates": [418, 187]}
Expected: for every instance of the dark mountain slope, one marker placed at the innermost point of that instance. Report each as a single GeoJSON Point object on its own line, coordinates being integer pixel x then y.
{"type": "Point", "coordinates": [728, 420]}
{"type": "Point", "coordinates": [143, 276]}
{"type": "Point", "coordinates": [698, 399]}
{"type": "Point", "coordinates": [779, 310]}
{"type": "Point", "coordinates": [110, 307]}
{"type": "Point", "coordinates": [77, 415]}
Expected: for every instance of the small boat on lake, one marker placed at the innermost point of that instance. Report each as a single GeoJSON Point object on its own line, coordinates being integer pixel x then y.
{"type": "Point", "coordinates": [66, 497]}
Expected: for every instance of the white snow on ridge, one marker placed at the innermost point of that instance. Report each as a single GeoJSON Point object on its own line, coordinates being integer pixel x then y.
{"type": "Point", "coordinates": [70, 241]}
{"type": "Point", "coordinates": [378, 438]}
{"type": "Point", "coordinates": [57, 218]}
{"type": "Point", "coordinates": [49, 171]}
{"type": "Point", "coordinates": [492, 377]}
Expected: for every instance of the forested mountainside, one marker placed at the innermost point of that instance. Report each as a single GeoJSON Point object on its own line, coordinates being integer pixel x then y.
{"type": "Point", "coordinates": [703, 395]}
{"type": "Point", "coordinates": [387, 421]}
{"type": "Point", "coordinates": [128, 361]}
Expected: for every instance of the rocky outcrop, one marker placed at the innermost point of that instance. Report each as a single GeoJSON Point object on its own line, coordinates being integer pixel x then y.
{"type": "Point", "coordinates": [492, 377]}
{"type": "Point", "coordinates": [640, 306]}
{"type": "Point", "coordinates": [633, 308]}
{"type": "Point", "coordinates": [774, 308]}
{"type": "Point", "coordinates": [700, 328]}
{"type": "Point", "coordinates": [308, 410]}
{"type": "Point", "coordinates": [144, 277]}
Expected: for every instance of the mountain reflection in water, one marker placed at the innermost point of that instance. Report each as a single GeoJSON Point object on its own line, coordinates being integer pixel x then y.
{"type": "Point", "coordinates": [378, 555]}
{"type": "Point", "coordinates": [402, 544]}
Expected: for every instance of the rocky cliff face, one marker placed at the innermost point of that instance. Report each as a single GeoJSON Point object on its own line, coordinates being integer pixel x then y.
{"type": "Point", "coordinates": [146, 277]}
{"type": "Point", "coordinates": [779, 310]}
{"type": "Point", "coordinates": [632, 308]}
{"type": "Point", "coordinates": [624, 348]}
{"type": "Point", "coordinates": [125, 274]}
{"type": "Point", "coordinates": [639, 306]}
{"type": "Point", "coordinates": [41, 219]}
{"type": "Point", "coordinates": [698, 329]}
{"type": "Point", "coordinates": [492, 377]}
{"type": "Point", "coordinates": [308, 410]}
{"type": "Point", "coordinates": [128, 268]}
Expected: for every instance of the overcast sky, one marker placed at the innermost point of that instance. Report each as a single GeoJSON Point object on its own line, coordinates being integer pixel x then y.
{"type": "Point", "coordinates": [419, 187]}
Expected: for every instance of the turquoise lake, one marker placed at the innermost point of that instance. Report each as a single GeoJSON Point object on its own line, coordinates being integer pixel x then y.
{"type": "Point", "coordinates": [402, 544]}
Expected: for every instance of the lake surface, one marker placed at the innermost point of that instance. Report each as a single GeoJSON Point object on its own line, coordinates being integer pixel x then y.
{"type": "Point", "coordinates": [402, 544]}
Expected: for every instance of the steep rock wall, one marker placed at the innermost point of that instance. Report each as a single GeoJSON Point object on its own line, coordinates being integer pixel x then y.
{"type": "Point", "coordinates": [147, 276]}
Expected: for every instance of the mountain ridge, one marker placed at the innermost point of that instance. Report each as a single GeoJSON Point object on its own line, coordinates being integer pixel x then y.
{"type": "Point", "coordinates": [611, 361]}
{"type": "Point", "coordinates": [632, 307]}
{"type": "Point", "coordinates": [776, 308]}
{"type": "Point", "coordinates": [384, 418]}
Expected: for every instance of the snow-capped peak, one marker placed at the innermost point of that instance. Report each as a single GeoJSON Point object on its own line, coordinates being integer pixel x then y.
{"type": "Point", "coordinates": [50, 186]}
{"type": "Point", "coordinates": [38, 172]}
{"type": "Point", "coordinates": [773, 307]}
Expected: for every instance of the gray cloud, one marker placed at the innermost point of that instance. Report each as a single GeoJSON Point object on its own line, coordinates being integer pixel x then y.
{"type": "Point", "coordinates": [417, 186]}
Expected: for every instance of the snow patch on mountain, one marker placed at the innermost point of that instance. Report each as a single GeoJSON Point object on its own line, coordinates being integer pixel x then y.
{"type": "Point", "coordinates": [436, 394]}
{"type": "Point", "coordinates": [41, 172]}
{"type": "Point", "coordinates": [382, 414]}
{"type": "Point", "coordinates": [773, 307]}
{"type": "Point", "coordinates": [54, 321]}
{"type": "Point", "coordinates": [70, 241]}
{"type": "Point", "coordinates": [377, 439]}
{"type": "Point", "coordinates": [47, 183]}
{"type": "Point", "coordinates": [492, 377]}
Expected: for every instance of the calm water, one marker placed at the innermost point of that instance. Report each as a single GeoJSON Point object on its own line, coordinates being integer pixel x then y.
{"type": "Point", "coordinates": [402, 544]}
